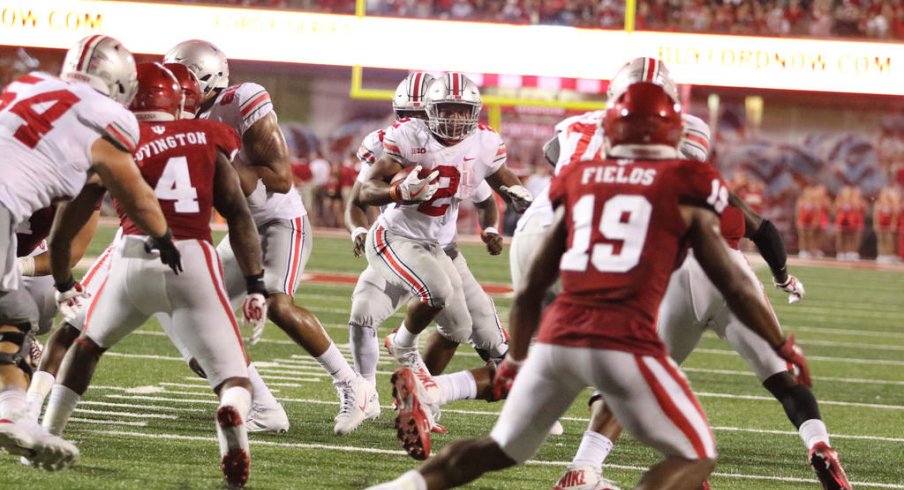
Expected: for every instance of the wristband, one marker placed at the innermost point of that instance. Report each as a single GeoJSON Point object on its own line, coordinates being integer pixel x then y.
{"type": "Point", "coordinates": [65, 285]}
{"type": "Point", "coordinates": [167, 236]}
{"type": "Point", "coordinates": [490, 230]}
{"type": "Point", "coordinates": [394, 192]}
{"type": "Point", "coordinates": [358, 232]}
{"type": "Point", "coordinates": [254, 284]}
{"type": "Point", "coordinates": [26, 266]}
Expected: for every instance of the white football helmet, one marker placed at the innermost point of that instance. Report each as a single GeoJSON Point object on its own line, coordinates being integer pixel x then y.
{"type": "Point", "coordinates": [641, 70]}
{"type": "Point", "coordinates": [105, 64]}
{"type": "Point", "coordinates": [205, 60]}
{"type": "Point", "coordinates": [408, 100]}
{"type": "Point", "coordinates": [449, 91]}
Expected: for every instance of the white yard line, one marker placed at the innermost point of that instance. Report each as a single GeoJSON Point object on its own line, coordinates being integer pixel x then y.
{"type": "Point", "coordinates": [142, 406]}
{"type": "Point", "coordinates": [132, 415]}
{"type": "Point", "coordinates": [848, 360]}
{"type": "Point", "coordinates": [331, 447]}
{"type": "Point", "coordinates": [108, 422]}
{"type": "Point", "coordinates": [878, 406]}
{"type": "Point", "coordinates": [818, 378]}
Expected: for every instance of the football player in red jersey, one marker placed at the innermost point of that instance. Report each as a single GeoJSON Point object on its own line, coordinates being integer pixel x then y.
{"type": "Point", "coordinates": [188, 163]}
{"type": "Point", "coordinates": [626, 222]}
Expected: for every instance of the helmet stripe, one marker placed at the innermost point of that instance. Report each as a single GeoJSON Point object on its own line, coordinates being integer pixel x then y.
{"type": "Point", "coordinates": [85, 58]}
{"type": "Point", "coordinates": [456, 84]}
{"type": "Point", "coordinates": [416, 93]}
{"type": "Point", "coordinates": [651, 67]}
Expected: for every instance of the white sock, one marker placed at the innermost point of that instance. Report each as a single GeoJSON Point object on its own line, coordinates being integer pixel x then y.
{"type": "Point", "coordinates": [333, 362]}
{"type": "Point", "coordinates": [260, 393]}
{"type": "Point", "coordinates": [404, 337]}
{"type": "Point", "coordinates": [593, 450]}
{"type": "Point", "coordinates": [813, 431]}
{"type": "Point", "coordinates": [240, 399]}
{"type": "Point", "coordinates": [13, 404]}
{"type": "Point", "coordinates": [365, 351]}
{"type": "Point", "coordinates": [411, 480]}
{"type": "Point", "coordinates": [456, 386]}
{"type": "Point", "coordinates": [60, 407]}
{"type": "Point", "coordinates": [41, 384]}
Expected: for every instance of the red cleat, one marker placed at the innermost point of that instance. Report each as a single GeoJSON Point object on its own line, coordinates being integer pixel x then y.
{"type": "Point", "coordinates": [824, 461]}
{"type": "Point", "coordinates": [415, 420]}
{"type": "Point", "coordinates": [236, 462]}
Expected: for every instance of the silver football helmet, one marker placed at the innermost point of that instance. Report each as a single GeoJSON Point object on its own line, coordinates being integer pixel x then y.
{"type": "Point", "coordinates": [446, 94]}
{"type": "Point", "coordinates": [641, 70]}
{"type": "Point", "coordinates": [408, 100]}
{"type": "Point", "coordinates": [205, 60]}
{"type": "Point", "coordinates": [105, 64]}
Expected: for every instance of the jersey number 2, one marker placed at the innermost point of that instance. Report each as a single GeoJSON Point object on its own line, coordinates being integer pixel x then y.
{"type": "Point", "coordinates": [624, 219]}
{"type": "Point", "coordinates": [175, 185]}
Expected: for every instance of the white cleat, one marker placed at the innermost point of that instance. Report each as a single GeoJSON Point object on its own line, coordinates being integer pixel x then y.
{"type": "Point", "coordinates": [584, 478]}
{"type": "Point", "coordinates": [556, 429]}
{"type": "Point", "coordinates": [37, 446]}
{"type": "Point", "coordinates": [267, 418]}
{"type": "Point", "coordinates": [358, 401]}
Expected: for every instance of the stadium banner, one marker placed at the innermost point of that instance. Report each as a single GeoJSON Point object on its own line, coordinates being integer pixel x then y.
{"type": "Point", "coordinates": [537, 51]}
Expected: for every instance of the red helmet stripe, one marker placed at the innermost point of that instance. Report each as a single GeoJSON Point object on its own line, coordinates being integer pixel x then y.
{"type": "Point", "coordinates": [89, 47]}
{"type": "Point", "coordinates": [416, 93]}
{"type": "Point", "coordinates": [456, 83]}
{"type": "Point", "coordinates": [651, 67]}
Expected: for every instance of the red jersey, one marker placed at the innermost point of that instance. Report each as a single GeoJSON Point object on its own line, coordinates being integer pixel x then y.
{"type": "Point", "coordinates": [31, 233]}
{"type": "Point", "coordinates": [625, 237]}
{"type": "Point", "coordinates": [178, 160]}
{"type": "Point", "coordinates": [733, 226]}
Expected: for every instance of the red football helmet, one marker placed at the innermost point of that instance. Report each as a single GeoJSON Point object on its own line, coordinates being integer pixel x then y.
{"type": "Point", "coordinates": [158, 93]}
{"type": "Point", "coordinates": [191, 89]}
{"type": "Point", "coordinates": [644, 114]}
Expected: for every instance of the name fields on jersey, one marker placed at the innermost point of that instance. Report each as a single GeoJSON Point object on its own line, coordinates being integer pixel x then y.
{"type": "Point", "coordinates": [160, 145]}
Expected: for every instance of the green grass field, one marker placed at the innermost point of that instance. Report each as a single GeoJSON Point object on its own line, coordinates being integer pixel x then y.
{"type": "Point", "coordinates": [147, 421]}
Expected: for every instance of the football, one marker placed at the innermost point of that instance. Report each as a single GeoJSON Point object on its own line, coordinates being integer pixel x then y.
{"type": "Point", "coordinates": [407, 170]}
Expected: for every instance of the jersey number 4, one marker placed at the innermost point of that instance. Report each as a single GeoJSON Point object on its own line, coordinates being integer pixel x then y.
{"type": "Point", "coordinates": [37, 124]}
{"type": "Point", "coordinates": [625, 219]}
{"type": "Point", "coordinates": [175, 185]}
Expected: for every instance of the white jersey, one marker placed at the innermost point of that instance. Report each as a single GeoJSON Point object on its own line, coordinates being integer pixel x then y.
{"type": "Point", "coordinates": [581, 138]}
{"type": "Point", "coordinates": [47, 129]}
{"type": "Point", "coordinates": [462, 167]}
{"type": "Point", "coordinates": [371, 150]}
{"type": "Point", "coordinates": [240, 106]}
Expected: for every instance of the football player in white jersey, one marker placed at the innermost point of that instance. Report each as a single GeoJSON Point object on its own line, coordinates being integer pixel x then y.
{"type": "Point", "coordinates": [276, 206]}
{"type": "Point", "coordinates": [374, 299]}
{"type": "Point", "coordinates": [404, 244]}
{"type": "Point", "coordinates": [83, 129]}
{"type": "Point", "coordinates": [691, 304]}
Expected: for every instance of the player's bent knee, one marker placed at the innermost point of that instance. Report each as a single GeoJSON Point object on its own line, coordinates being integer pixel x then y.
{"type": "Point", "coordinates": [15, 346]}
{"type": "Point", "coordinates": [89, 346]}
{"type": "Point", "coordinates": [235, 381]}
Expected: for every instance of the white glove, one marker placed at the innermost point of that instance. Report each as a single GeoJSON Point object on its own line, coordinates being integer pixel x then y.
{"type": "Point", "coordinates": [520, 196]}
{"type": "Point", "coordinates": [71, 300]}
{"type": "Point", "coordinates": [414, 188]}
{"type": "Point", "coordinates": [254, 313]}
{"type": "Point", "coordinates": [793, 287]}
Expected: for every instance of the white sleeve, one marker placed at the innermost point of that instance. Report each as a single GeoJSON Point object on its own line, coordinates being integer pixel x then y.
{"type": "Point", "coordinates": [113, 121]}
{"type": "Point", "coordinates": [482, 192]}
{"type": "Point", "coordinates": [695, 139]}
{"type": "Point", "coordinates": [253, 103]}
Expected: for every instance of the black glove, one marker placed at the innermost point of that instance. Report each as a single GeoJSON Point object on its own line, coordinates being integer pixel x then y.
{"type": "Point", "coordinates": [169, 254]}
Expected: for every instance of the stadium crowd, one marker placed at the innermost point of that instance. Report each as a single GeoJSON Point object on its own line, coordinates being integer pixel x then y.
{"type": "Point", "coordinates": [874, 19]}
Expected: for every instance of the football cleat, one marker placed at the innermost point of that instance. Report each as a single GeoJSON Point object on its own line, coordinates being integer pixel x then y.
{"type": "Point", "coordinates": [236, 461]}
{"type": "Point", "coordinates": [37, 447]}
{"type": "Point", "coordinates": [267, 418]}
{"type": "Point", "coordinates": [557, 429]}
{"type": "Point", "coordinates": [415, 420]}
{"type": "Point", "coordinates": [358, 401]}
{"type": "Point", "coordinates": [411, 358]}
{"type": "Point", "coordinates": [584, 478]}
{"type": "Point", "coordinates": [824, 461]}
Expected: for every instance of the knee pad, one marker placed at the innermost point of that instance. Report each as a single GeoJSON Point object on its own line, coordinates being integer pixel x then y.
{"type": "Point", "coordinates": [22, 337]}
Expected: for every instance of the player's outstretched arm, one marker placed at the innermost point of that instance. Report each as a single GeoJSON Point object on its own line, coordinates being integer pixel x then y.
{"type": "Point", "coordinates": [267, 152]}
{"type": "Point", "coordinates": [742, 295]}
{"type": "Point", "coordinates": [376, 191]}
{"type": "Point", "coordinates": [230, 202]}
{"type": "Point", "coordinates": [72, 220]}
{"type": "Point", "coordinates": [40, 264]}
{"type": "Point", "coordinates": [771, 246]}
{"type": "Point", "coordinates": [488, 217]}
{"type": "Point", "coordinates": [509, 186]}
{"type": "Point", "coordinates": [121, 177]}
{"type": "Point", "coordinates": [356, 219]}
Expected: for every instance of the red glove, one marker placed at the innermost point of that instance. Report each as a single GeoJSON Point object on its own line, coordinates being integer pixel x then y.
{"type": "Point", "coordinates": [790, 352]}
{"type": "Point", "coordinates": [504, 377]}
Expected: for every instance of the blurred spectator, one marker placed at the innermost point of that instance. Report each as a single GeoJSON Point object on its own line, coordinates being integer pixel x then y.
{"type": "Point", "coordinates": [886, 221]}
{"type": "Point", "coordinates": [812, 219]}
{"type": "Point", "coordinates": [849, 211]}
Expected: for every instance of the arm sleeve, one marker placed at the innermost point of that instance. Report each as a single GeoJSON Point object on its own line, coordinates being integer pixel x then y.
{"type": "Point", "coordinates": [695, 138]}
{"type": "Point", "coordinates": [501, 155]}
{"type": "Point", "coordinates": [482, 192]}
{"type": "Point", "coordinates": [771, 246]}
{"type": "Point", "coordinates": [391, 140]}
{"type": "Point", "coordinates": [115, 123]}
{"type": "Point", "coordinates": [253, 104]}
